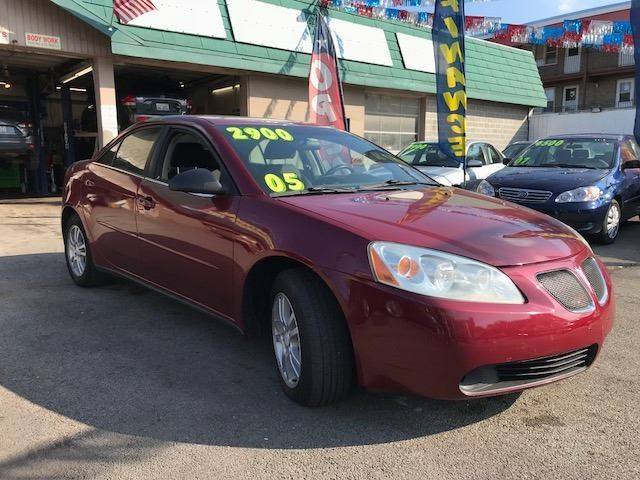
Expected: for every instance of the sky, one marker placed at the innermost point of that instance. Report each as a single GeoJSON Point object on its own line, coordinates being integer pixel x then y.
{"type": "Point", "coordinates": [521, 11]}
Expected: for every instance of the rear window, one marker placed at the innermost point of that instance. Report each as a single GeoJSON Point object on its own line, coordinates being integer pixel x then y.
{"type": "Point", "coordinates": [591, 153]}
{"type": "Point", "coordinates": [11, 114]}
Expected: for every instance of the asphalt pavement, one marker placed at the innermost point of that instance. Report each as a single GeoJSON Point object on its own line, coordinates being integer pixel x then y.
{"type": "Point", "coordinates": [119, 382]}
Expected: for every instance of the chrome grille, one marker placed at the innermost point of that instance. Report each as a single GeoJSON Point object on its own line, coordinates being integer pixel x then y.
{"type": "Point", "coordinates": [545, 367]}
{"type": "Point", "coordinates": [565, 287]}
{"type": "Point", "coordinates": [504, 377]}
{"type": "Point", "coordinates": [524, 195]}
{"type": "Point", "coordinates": [593, 273]}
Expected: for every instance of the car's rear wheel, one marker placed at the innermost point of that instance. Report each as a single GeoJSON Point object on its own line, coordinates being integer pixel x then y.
{"type": "Point", "coordinates": [78, 255]}
{"type": "Point", "coordinates": [611, 224]}
{"type": "Point", "coordinates": [311, 342]}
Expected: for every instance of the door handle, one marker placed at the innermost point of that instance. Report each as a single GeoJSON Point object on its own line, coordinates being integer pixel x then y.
{"type": "Point", "coordinates": [89, 183]}
{"type": "Point", "coordinates": [146, 202]}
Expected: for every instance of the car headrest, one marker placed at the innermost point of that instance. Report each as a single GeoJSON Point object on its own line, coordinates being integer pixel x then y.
{"type": "Point", "coordinates": [581, 154]}
{"type": "Point", "coordinates": [192, 155]}
{"type": "Point", "coordinates": [276, 150]}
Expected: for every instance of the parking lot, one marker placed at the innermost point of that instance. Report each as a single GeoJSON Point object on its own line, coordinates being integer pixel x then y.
{"type": "Point", "coordinates": [119, 382]}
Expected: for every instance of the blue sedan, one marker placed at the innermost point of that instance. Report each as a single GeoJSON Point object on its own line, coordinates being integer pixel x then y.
{"type": "Point", "coordinates": [590, 182]}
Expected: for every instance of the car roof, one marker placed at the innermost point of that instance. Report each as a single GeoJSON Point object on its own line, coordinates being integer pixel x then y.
{"type": "Point", "coordinates": [217, 120]}
{"type": "Point", "coordinates": [610, 136]}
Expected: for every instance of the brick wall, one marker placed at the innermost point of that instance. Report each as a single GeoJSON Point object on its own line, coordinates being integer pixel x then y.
{"type": "Point", "coordinates": [496, 123]}
{"type": "Point", "coordinates": [285, 98]}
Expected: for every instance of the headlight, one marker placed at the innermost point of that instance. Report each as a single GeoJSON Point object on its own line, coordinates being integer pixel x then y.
{"type": "Point", "coordinates": [442, 275]}
{"type": "Point", "coordinates": [485, 188]}
{"type": "Point", "coordinates": [582, 194]}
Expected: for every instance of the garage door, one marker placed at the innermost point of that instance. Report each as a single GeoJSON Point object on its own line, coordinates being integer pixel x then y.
{"type": "Point", "coordinates": [391, 121]}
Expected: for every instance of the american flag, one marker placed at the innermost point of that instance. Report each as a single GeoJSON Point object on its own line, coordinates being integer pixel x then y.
{"type": "Point", "coordinates": [128, 10]}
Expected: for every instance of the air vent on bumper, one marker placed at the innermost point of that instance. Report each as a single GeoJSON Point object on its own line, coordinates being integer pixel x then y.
{"type": "Point", "coordinates": [494, 379]}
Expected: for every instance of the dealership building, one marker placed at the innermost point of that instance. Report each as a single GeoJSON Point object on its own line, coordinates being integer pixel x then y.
{"type": "Point", "coordinates": [70, 66]}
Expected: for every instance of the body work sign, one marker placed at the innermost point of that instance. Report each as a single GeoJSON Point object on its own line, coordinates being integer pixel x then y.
{"type": "Point", "coordinates": [448, 36]}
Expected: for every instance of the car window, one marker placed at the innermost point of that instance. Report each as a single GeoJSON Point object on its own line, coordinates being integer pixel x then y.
{"type": "Point", "coordinates": [186, 151]}
{"type": "Point", "coordinates": [592, 152]}
{"type": "Point", "coordinates": [427, 155]}
{"type": "Point", "coordinates": [475, 153]}
{"type": "Point", "coordinates": [494, 156]}
{"type": "Point", "coordinates": [135, 150]}
{"type": "Point", "coordinates": [287, 159]}
{"type": "Point", "coordinates": [629, 151]}
{"type": "Point", "coordinates": [109, 156]}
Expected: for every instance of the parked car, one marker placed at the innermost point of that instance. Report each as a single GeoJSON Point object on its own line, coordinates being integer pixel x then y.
{"type": "Point", "coordinates": [515, 149]}
{"type": "Point", "coordinates": [144, 108]}
{"type": "Point", "coordinates": [483, 159]}
{"type": "Point", "coordinates": [590, 182]}
{"type": "Point", "coordinates": [388, 281]}
{"type": "Point", "coordinates": [16, 133]}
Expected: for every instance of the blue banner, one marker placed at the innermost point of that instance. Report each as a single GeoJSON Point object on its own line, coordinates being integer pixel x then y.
{"type": "Point", "coordinates": [448, 38]}
{"type": "Point", "coordinates": [635, 25]}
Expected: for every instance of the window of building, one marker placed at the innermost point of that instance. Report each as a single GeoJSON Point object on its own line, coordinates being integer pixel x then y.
{"type": "Point", "coordinates": [626, 59]}
{"type": "Point", "coordinates": [135, 150]}
{"type": "Point", "coordinates": [572, 60]}
{"type": "Point", "coordinates": [625, 93]}
{"type": "Point", "coordinates": [546, 55]}
{"type": "Point", "coordinates": [570, 99]}
{"type": "Point", "coordinates": [391, 121]}
{"type": "Point", "coordinates": [551, 98]}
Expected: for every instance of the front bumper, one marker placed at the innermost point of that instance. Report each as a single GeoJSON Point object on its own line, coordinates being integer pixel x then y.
{"type": "Point", "coordinates": [585, 217]}
{"type": "Point", "coordinates": [410, 343]}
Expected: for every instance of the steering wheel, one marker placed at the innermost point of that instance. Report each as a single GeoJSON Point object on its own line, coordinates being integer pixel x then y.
{"type": "Point", "coordinates": [337, 168]}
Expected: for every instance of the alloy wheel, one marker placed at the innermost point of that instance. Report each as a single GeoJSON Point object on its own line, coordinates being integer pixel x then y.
{"type": "Point", "coordinates": [613, 221]}
{"type": "Point", "coordinates": [76, 251]}
{"type": "Point", "coordinates": [286, 340]}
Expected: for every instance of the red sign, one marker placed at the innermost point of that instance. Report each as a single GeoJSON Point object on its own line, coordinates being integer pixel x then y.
{"type": "Point", "coordinates": [325, 92]}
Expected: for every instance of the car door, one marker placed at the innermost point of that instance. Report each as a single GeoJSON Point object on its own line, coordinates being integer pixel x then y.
{"type": "Point", "coordinates": [629, 157]}
{"type": "Point", "coordinates": [111, 189]}
{"type": "Point", "coordinates": [186, 240]}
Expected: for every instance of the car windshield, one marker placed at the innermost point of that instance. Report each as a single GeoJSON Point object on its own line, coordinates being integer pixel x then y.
{"type": "Point", "coordinates": [426, 155]}
{"type": "Point", "coordinates": [593, 153]}
{"type": "Point", "coordinates": [512, 151]}
{"type": "Point", "coordinates": [296, 160]}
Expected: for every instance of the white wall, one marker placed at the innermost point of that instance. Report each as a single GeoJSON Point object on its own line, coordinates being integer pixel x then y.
{"type": "Point", "coordinates": [618, 121]}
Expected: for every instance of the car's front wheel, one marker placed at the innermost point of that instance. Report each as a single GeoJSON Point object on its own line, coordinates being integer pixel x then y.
{"type": "Point", "coordinates": [311, 342]}
{"type": "Point", "coordinates": [78, 255]}
{"type": "Point", "coordinates": [611, 224]}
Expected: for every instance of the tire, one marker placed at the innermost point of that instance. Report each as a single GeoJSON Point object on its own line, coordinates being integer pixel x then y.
{"type": "Point", "coordinates": [609, 233]}
{"type": "Point", "coordinates": [326, 368]}
{"type": "Point", "coordinates": [75, 240]}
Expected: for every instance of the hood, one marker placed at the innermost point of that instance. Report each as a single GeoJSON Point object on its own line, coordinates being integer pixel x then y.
{"type": "Point", "coordinates": [450, 220]}
{"type": "Point", "coordinates": [556, 180]}
{"type": "Point", "coordinates": [447, 176]}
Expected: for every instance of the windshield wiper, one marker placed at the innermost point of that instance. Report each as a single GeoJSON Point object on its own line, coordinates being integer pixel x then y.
{"type": "Point", "coordinates": [566, 165]}
{"type": "Point", "coordinates": [393, 185]}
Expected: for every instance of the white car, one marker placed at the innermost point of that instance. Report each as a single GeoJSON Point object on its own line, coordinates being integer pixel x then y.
{"type": "Point", "coordinates": [483, 159]}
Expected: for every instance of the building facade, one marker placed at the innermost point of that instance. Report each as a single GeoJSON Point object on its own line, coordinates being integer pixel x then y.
{"type": "Point", "coordinates": [586, 79]}
{"type": "Point", "coordinates": [72, 65]}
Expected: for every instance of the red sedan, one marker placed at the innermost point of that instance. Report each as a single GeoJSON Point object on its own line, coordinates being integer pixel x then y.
{"type": "Point", "coordinates": [361, 268]}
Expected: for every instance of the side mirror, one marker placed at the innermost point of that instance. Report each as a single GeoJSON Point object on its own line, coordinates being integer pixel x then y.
{"type": "Point", "coordinates": [631, 164]}
{"type": "Point", "coordinates": [506, 161]}
{"type": "Point", "coordinates": [197, 180]}
{"type": "Point", "coordinates": [474, 164]}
